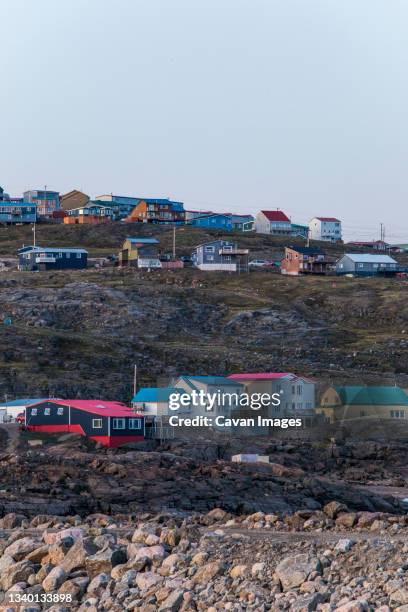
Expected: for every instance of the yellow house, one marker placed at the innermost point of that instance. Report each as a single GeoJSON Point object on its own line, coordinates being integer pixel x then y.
{"type": "Point", "coordinates": [135, 248]}
{"type": "Point", "coordinates": [345, 403]}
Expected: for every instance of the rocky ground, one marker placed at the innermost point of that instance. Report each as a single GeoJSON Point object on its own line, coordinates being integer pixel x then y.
{"type": "Point", "coordinates": [326, 560]}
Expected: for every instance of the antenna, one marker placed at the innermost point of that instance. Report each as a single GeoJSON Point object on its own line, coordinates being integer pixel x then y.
{"type": "Point", "coordinates": [134, 381]}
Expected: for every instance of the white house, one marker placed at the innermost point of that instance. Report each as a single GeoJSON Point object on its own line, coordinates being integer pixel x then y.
{"type": "Point", "coordinates": [273, 222]}
{"type": "Point", "coordinates": [297, 392]}
{"type": "Point", "coordinates": [325, 228]}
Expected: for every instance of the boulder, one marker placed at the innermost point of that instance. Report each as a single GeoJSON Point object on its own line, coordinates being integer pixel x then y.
{"type": "Point", "coordinates": [15, 572]}
{"type": "Point", "coordinates": [292, 571]}
{"type": "Point", "coordinates": [21, 548]}
{"type": "Point", "coordinates": [54, 579]}
{"type": "Point", "coordinates": [104, 560]}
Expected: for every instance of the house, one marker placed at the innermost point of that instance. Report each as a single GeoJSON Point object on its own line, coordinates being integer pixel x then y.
{"type": "Point", "coordinates": [273, 222]}
{"type": "Point", "coordinates": [221, 255]}
{"type": "Point", "coordinates": [223, 221]}
{"type": "Point", "coordinates": [92, 213]}
{"type": "Point", "coordinates": [297, 392]}
{"type": "Point", "coordinates": [158, 211]}
{"type": "Point", "coordinates": [213, 221]}
{"type": "Point", "coordinates": [154, 401]}
{"type": "Point", "coordinates": [122, 205]}
{"type": "Point", "coordinates": [14, 213]}
{"type": "Point", "coordinates": [136, 251]}
{"type": "Point", "coordinates": [299, 231]}
{"type": "Point", "coordinates": [355, 402]}
{"type": "Point", "coordinates": [193, 214]}
{"type": "Point", "coordinates": [74, 199]}
{"type": "Point", "coordinates": [36, 258]}
{"type": "Point", "coordinates": [4, 197]}
{"type": "Point", "coordinates": [325, 228]}
{"type": "Point", "coordinates": [304, 260]}
{"type": "Point", "coordinates": [366, 264]}
{"type": "Point", "coordinates": [375, 245]}
{"type": "Point", "coordinates": [15, 407]}
{"type": "Point", "coordinates": [224, 394]}
{"type": "Point", "coordinates": [47, 202]}
{"type": "Point", "coordinates": [109, 423]}
{"type": "Point", "coordinates": [242, 223]}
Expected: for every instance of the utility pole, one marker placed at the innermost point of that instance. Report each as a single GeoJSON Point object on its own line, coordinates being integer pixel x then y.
{"type": "Point", "coordinates": [34, 234]}
{"type": "Point", "coordinates": [174, 242]}
{"type": "Point", "coordinates": [382, 232]}
{"type": "Point", "coordinates": [308, 238]}
{"type": "Point", "coordinates": [135, 381]}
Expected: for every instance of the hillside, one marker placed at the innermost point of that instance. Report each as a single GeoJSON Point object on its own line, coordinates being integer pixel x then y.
{"type": "Point", "coordinates": [79, 333]}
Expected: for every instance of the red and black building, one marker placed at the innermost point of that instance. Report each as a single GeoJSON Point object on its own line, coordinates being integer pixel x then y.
{"type": "Point", "coordinates": [109, 423]}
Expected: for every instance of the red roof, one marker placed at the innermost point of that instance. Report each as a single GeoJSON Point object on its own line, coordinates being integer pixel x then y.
{"type": "Point", "coordinates": [99, 407]}
{"type": "Point", "coordinates": [328, 219]}
{"type": "Point", "coordinates": [260, 376]}
{"type": "Point", "coordinates": [275, 215]}
{"type": "Point", "coordinates": [267, 376]}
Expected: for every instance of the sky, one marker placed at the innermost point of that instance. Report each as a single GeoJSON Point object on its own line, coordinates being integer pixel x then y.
{"type": "Point", "coordinates": [226, 105]}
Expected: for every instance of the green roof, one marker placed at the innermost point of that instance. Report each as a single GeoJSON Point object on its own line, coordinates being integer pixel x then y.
{"type": "Point", "coordinates": [372, 396]}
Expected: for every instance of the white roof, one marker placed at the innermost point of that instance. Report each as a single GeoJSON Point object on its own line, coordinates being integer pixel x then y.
{"type": "Point", "coordinates": [368, 258]}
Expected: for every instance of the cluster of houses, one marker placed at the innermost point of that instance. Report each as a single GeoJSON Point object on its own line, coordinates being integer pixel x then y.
{"type": "Point", "coordinates": [152, 412]}
{"type": "Point", "coordinates": [76, 207]}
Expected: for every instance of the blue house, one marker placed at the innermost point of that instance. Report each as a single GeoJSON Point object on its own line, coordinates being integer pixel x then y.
{"type": "Point", "coordinates": [35, 258]}
{"type": "Point", "coordinates": [12, 213]}
{"type": "Point", "coordinates": [224, 221]}
{"type": "Point", "coordinates": [154, 401]}
{"type": "Point", "coordinates": [220, 255]}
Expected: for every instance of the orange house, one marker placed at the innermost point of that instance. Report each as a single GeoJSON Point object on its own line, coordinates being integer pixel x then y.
{"type": "Point", "coordinates": [157, 211]}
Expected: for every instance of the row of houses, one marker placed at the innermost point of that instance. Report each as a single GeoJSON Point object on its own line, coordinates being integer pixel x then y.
{"type": "Point", "coordinates": [218, 398]}
{"type": "Point", "coordinates": [77, 208]}
{"type": "Point", "coordinates": [299, 261]}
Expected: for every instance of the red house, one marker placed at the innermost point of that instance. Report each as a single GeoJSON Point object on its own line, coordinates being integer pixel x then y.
{"type": "Point", "coordinates": [109, 423]}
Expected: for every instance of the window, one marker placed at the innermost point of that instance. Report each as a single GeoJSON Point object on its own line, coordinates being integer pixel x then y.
{"type": "Point", "coordinates": [68, 255]}
{"type": "Point", "coordinates": [79, 255]}
{"type": "Point", "coordinates": [299, 389]}
{"type": "Point", "coordinates": [33, 411]}
{"type": "Point", "coordinates": [59, 255]}
{"type": "Point", "coordinates": [47, 411]}
{"type": "Point", "coordinates": [97, 423]}
{"type": "Point", "coordinates": [60, 410]}
{"type": "Point", "coordinates": [118, 424]}
{"type": "Point", "coordinates": [227, 257]}
{"type": "Point", "coordinates": [209, 249]}
{"type": "Point", "coordinates": [361, 265]}
{"type": "Point", "coordinates": [227, 247]}
{"type": "Point", "coordinates": [210, 257]}
{"type": "Point", "coordinates": [135, 423]}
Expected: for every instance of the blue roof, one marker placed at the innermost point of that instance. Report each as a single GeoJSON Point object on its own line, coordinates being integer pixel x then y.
{"type": "Point", "coordinates": [156, 394]}
{"type": "Point", "coordinates": [143, 240]}
{"type": "Point", "coordinates": [25, 401]}
{"type": "Point", "coordinates": [38, 249]}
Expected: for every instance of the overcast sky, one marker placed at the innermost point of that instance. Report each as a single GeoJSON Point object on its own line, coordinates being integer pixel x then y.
{"type": "Point", "coordinates": [225, 104]}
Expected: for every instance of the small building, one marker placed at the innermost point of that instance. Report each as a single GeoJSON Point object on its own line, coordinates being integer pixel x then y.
{"type": "Point", "coordinates": [47, 202]}
{"type": "Point", "coordinates": [160, 211]}
{"type": "Point", "coordinates": [355, 402]}
{"type": "Point", "coordinates": [15, 407]}
{"type": "Point", "coordinates": [299, 231]}
{"type": "Point", "coordinates": [375, 245]}
{"type": "Point", "coordinates": [109, 423]}
{"type": "Point", "coordinates": [325, 228]}
{"type": "Point", "coordinates": [242, 223]}
{"type": "Point", "coordinates": [36, 258]}
{"type": "Point", "coordinates": [304, 260]}
{"type": "Point", "coordinates": [273, 222]}
{"type": "Point", "coordinates": [92, 213]}
{"type": "Point", "coordinates": [220, 255]}
{"type": "Point", "coordinates": [135, 250]}
{"type": "Point", "coordinates": [15, 213]}
{"type": "Point", "coordinates": [154, 401]}
{"type": "Point", "coordinates": [366, 264]}
{"type": "Point", "coordinates": [193, 214]}
{"type": "Point", "coordinates": [74, 199]}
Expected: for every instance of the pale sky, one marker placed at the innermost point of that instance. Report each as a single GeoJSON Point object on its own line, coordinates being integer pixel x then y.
{"type": "Point", "coordinates": [235, 105]}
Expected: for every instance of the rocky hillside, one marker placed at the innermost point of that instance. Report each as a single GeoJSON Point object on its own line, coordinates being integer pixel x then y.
{"type": "Point", "coordinates": [79, 333]}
